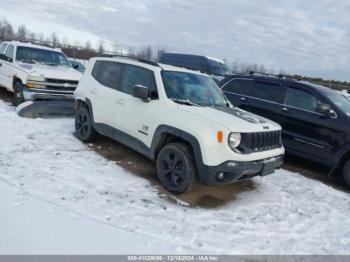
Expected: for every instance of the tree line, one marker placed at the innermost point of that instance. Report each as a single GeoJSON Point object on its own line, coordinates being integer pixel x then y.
{"type": "Point", "coordinates": [86, 51]}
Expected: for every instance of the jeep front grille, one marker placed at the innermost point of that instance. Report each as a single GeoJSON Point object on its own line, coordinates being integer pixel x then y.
{"type": "Point", "coordinates": [260, 141]}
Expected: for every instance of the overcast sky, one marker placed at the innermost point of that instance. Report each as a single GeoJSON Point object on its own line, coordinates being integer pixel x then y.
{"type": "Point", "coordinates": [310, 37]}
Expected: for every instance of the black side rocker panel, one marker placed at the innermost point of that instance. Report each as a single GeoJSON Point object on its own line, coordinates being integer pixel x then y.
{"type": "Point", "coordinates": [150, 153]}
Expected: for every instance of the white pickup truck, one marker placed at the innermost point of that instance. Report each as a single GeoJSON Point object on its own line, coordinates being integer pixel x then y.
{"type": "Point", "coordinates": [33, 72]}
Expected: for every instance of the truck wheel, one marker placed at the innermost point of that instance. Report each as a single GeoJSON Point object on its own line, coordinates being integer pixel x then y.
{"type": "Point", "coordinates": [17, 93]}
{"type": "Point", "coordinates": [83, 125]}
{"type": "Point", "coordinates": [176, 170]}
{"type": "Point", "coordinates": [346, 173]}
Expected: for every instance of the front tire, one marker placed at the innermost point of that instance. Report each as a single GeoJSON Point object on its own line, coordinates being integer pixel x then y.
{"type": "Point", "coordinates": [346, 173]}
{"type": "Point", "coordinates": [17, 93]}
{"type": "Point", "coordinates": [83, 126]}
{"type": "Point", "coordinates": [176, 170]}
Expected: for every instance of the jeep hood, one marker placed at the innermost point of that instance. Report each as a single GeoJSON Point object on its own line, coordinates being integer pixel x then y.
{"type": "Point", "coordinates": [47, 71]}
{"type": "Point", "coordinates": [233, 118]}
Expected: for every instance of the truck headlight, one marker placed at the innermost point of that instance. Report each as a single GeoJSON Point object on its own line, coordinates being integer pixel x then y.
{"type": "Point", "coordinates": [234, 140]}
{"type": "Point", "coordinates": [36, 78]}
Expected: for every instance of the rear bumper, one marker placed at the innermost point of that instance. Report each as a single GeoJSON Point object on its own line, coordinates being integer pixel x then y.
{"type": "Point", "coordinates": [31, 94]}
{"type": "Point", "coordinates": [232, 171]}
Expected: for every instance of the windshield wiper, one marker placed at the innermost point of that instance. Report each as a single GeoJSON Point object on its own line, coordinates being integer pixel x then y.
{"type": "Point", "coordinates": [184, 102]}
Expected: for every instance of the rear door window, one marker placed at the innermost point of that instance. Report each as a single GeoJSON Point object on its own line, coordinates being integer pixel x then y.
{"type": "Point", "coordinates": [108, 73]}
{"type": "Point", "coordinates": [134, 75]}
{"type": "Point", "coordinates": [238, 86]}
{"type": "Point", "coordinates": [301, 99]}
{"type": "Point", "coordinates": [273, 92]}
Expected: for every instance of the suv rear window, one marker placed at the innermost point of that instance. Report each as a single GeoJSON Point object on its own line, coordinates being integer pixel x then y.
{"type": "Point", "coordinates": [108, 73]}
{"type": "Point", "coordinates": [268, 91]}
{"type": "Point", "coordinates": [238, 86]}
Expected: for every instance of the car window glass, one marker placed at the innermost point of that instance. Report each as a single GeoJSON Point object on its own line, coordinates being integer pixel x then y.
{"type": "Point", "coordinates": [134, 75]}
{"type": "Point", "coordinates": [2, 48]}
{"type": "Point", "coordinates": [109, 74]}
{"type": "Point", "coordinates": [10, 51]}
{"type": "Point", "coordinates": [268, 91]}
{"type": "Point", "coordinates": [239, 86]}
{"type": "Point", "coordinates": [301, 99]}
{"type": "Point", "coordinates": [96, 71]}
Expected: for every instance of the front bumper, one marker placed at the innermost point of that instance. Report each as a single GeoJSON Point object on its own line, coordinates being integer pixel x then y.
{"type": "Point", "coordinates": [232, 171]}
{"type": "Point", "coordinates": [33, 94]}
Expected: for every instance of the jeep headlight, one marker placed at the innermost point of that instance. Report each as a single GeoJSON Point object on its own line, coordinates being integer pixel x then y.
{"type": "Point", "coordinates": [36, 78]}
{"type": "Point", "coordinates": [234, 140]}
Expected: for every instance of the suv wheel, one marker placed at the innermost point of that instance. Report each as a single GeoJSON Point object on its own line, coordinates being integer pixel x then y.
{"type": "Point", "coordinates": [346, 173]}
{"type": "Point", "coordinates": [175, 168]}
{"type": "Point", "coordinates": [17, 93]}
{"type": "Point", "coordinates": [83, 126]}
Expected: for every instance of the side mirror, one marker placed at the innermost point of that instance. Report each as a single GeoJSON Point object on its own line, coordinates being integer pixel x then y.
{"type": "Point", "coordinates": [6, 58]}
{"type": "Point", "coordinates": [75, 66]}
{"type": "Point", "coordinates": [3, 57]}
{"type": "Point", "coordinates": [324, 109]}
{"type": "Point", "coordinates": [141, 92]}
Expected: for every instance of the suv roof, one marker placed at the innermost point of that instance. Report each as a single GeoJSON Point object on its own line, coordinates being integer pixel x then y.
{"type": "Point", "coordinates": [126, 59]}
{"type": "Point", "coordinates": [277, 78]}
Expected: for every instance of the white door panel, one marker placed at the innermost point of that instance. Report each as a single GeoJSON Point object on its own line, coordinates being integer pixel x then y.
{"type": "Point", "coordinates": [136, 117]}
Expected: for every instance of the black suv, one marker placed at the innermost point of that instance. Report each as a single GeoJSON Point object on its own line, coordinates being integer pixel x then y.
{"type": "Point", "coordinates": [315, 119]}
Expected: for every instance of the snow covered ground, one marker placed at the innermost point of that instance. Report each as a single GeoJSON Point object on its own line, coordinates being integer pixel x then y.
{"type": "Point", "coordinates": [59, 196]}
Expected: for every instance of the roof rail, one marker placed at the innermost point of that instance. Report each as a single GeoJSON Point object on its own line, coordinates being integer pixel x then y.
{"type": "Point", "coordinates": [142, 60]}
{"type": "Point", "coordinates": [272, 75]}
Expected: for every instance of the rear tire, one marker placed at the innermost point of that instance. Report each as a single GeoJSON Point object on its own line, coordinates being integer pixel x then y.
{"type": "Point", "coordinates": [346, 173]}
{"type": "Point", "coordinates": [176, 170]}
{"type": "Point", "coordinates": [17, 93]}
{"type": "Point", "coordinates": [83, 126]}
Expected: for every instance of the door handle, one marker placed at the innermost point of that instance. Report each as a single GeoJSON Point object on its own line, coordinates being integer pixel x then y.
{"type": "Point", "coordinates": [94, 91]}
{"type": "Point", "coordinates": [285, 109]}
{"type": "Point", "coordinates": [243, 99]}
{"type": "Point", "coordinates": [0, 64]}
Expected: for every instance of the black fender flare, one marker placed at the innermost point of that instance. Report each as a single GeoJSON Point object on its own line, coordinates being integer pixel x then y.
{"type": "Point", "coordinates": [189, 138]}
{"type": "Point", "coordinates": [87, 102]}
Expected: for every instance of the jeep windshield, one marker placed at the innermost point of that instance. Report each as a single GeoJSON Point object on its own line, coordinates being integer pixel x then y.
{"type": "Point", "coordinates": [218, 68]}
{"type": "Point", "coordinates": [41, 56]}
{"type": "Point", "coordinates": [341, 101]}
{"type": "Point", "coordinates": [192, 89]}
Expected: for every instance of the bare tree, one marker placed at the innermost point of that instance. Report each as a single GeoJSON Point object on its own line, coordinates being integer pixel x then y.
{"type": "Point", "coordinates": [145, 53]}
{"type": "Point", "coordinates": [65, 41]}
{"type": "Point", "coordinates": [101, 48]}
{"type": "Point", "coordinates": [54, 40]}
{"type": "Point", "coordinates": [130, 51]}
{"type": "Point", "coordinates": [6, 31]}
{"type": "Point", "coordinates": [160, 51]}
{"type": "Point", "coordinates": [88, 45]}
{"type": "Point", "coordinates": [115, 48]}
{"type": "Point", "coordinates": [31, 36]}
{"type": "Point", "coordinates": [21, 34]}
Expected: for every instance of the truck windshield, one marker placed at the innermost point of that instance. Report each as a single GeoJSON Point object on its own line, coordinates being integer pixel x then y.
{"type": "Point", "coordinates": [192, 89]}
{"type": "Point", "coordinates": [41, 56]}
{"type": "Point", "coordinates": [341, 101]}
{"type": "Point", "coordinates": [218, 68]}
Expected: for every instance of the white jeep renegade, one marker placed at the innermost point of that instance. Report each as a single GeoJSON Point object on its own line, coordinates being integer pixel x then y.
{"type": "Point", "coordinates": [35, 72]}
{"type": "Point", "coordinates": [178, 118]}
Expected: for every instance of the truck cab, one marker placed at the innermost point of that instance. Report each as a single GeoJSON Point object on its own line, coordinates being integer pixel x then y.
{"type": "Point", "coordinates": [34, 72]}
